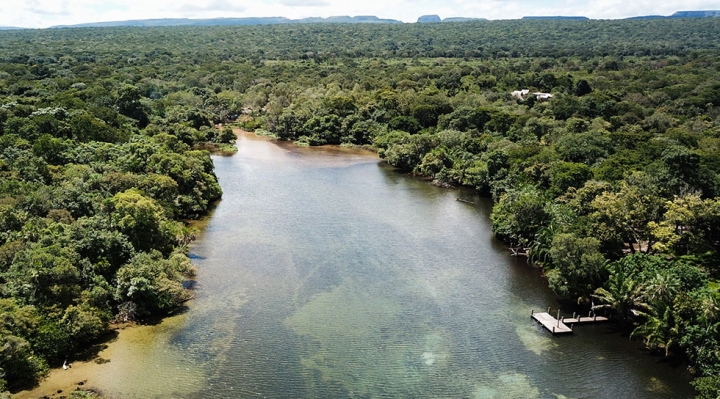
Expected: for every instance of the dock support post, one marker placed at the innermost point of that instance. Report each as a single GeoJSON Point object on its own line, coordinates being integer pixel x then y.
{"type": "Point", "coordinates": [532, 312]}
{"type": "Point", "coordinates": [558, 317]}
{"type": "Point", "coordinates": [548, 309]}
{"type": "Point", "coordinates": [574, 315]}
{"type": "Point", "coordinates": [553, 329]}
{"type": "Point", "coordinates": [590, 313]}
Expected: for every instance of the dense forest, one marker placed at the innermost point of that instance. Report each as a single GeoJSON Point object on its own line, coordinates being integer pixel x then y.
{"type": "Point", "coordinates": [613, 184]}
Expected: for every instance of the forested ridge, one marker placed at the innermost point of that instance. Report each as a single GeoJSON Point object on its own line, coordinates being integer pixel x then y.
{"type": "Point", "coordinates": [612, 184]}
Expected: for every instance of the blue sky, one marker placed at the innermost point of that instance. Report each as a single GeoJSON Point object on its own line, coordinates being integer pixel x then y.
{"type": "Point", "coordinates": [44, 13]}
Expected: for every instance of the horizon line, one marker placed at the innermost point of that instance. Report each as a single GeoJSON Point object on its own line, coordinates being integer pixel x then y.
{"type": "Point", "coordinates": [380, 19]}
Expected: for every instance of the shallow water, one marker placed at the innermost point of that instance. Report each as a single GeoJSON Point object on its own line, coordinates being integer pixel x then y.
{"type": "Point", "coordinates": [325, 274]}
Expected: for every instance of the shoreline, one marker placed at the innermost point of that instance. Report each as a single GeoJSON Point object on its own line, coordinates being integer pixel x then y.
{"type": "Point", "coordinates": [100, 369]}
{"type": "Point", "coordinates": [364, 150]}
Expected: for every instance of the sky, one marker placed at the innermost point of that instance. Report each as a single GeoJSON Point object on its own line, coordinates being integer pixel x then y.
{"type": "Point", "coordinates": [46, 13]}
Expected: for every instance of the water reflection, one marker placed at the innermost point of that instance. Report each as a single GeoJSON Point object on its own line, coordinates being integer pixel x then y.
{"type": "Point", "coordinates": [323, 273]}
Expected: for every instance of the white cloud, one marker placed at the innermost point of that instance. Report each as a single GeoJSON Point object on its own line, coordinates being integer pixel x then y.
{"type": "Point", "coordinates": [43, 13]}
{"type": "Point", "coordinates": [304, 3]}
{"type": "Point", "coordinates": [214, 5]}
{"type": "Point", "coordinates": [44, 7]}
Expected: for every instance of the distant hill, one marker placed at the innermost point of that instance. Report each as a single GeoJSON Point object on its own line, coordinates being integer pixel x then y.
{"type": "Point", "coordinates": [684, 14]}
{"type": "Point", "coordinates": [697, 14]}
{"type": "Point", "coordinates": [360, 19]}
{"type": "Point", "coordinates": [363, 19]}
{"type": "Point", "coordinates": [180, 22]}
{"type": "Point", "coordinates": [429, 19]}
{"type": "Point", "coordinates": [558, 17]}
{"type": "Point", "coordinates": [435, 19]}
{"type": "Point", "coordinates": [9, 28]}
{"type": "Point", "coordinates": [648, 17]}
{"type": "Point", "coordinates": [463, 19]}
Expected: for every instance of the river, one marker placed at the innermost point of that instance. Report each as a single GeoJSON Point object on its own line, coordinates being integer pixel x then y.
{"type": "Point", "coordinates": [323, 273]}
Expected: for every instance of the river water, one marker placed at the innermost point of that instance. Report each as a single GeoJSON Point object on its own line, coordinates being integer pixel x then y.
{"type": "Point", "coordinates": [323, 273]}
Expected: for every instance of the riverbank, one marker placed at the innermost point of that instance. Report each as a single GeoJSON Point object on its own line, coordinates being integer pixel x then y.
{"type": "Point", "coordinates": [364, 150]}
{"type": "Point", "coordinates": [322, 273]}
{"type": "Point", "coordinates": [126, 340]}
{"type": "Point", "coordinates": [114, 364]}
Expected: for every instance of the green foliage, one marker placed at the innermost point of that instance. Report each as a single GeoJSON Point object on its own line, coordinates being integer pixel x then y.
{"type": "Point", "coordinates": [627, 217]}
{"type": "Point", "coordinates": [152, 283]}
{"type": "Point", "coordinates": [20, 366]}
{"type": "Point", "coordinates": [582, 88]}
{"type": "Point", "coordinates": [89, 206]}
{"type": "Point", "coordinates": [578, 266]}
{"type": "Point", "coordinates": [707, 387]}
{"type": "Point", "coordinates": [227, 135]}
{"type": "Point", "coordinates": [408, 154]}
{"type": "Point", "coordinates": [585, 147]}
{"type": "Point", "coordinates": [520, 215]}
{"type": "Point", "coordinates": [102, 134]}
{"type": "Point", "coordinates": [79, 394]}
{"type": "Point", "coordinates": [405, 123]}
{"type": "Point", "coordinates": [623, 292]}
{"type": "Point", "coordinates": [670, 305]}
{"type": "Point", "coordinates": [143, 220]}
{"type": "Point", "coordinates": [44, 276]}
{"type": "Point", "coordinates": [129, 104]}
{"type": "Point", "coordinates": [566, 175]}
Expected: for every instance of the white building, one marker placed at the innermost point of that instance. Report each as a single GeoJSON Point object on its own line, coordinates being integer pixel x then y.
{"type": "Point", "coordinates": [520, 94]}
{"type": "Point", "coordinates": [543, 96]}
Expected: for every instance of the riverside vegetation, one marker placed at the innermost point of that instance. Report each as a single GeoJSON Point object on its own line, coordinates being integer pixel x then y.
{"type": "Point", "coordinates": [613, 184]}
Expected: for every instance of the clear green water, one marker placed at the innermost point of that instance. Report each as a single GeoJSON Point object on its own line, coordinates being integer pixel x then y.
{"type": "Point", "coordinates": [325, 274]}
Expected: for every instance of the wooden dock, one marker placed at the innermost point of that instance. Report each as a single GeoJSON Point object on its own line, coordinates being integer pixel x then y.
{"type": "Point", "coordinates": [585, 320]}
{"type": "Point", "coordinates": [552, 324]}
{"type": "Point", "coordinates": [561, 325]}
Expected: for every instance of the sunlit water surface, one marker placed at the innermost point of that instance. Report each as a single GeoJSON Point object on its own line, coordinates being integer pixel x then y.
{"type": "Point", "coordinates": [325, 274]}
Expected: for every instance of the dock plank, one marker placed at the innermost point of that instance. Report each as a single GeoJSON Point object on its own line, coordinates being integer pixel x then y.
{"type": "Point", "coordinates": [585, 320]}
{"type": "Point", "coordinates": [551, 324]}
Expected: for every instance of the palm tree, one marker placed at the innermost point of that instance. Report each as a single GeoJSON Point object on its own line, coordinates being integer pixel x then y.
{"type": "Point", "coordinates": [662, 288]}
{"type": "Point", "coordinates": [623, 294]}
{"type": "Point", "coordinates": [704, 352]}
{"type": "Point", "coordinates": [540, 248]}
{"type": "Point", "coordinates": [660, 329]}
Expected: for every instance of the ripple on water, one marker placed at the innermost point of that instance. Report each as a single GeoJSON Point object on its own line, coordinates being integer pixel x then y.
{"type": "Point", "coordinates": [510, 385]}
{"type": "Point", "coordinates": [327, 277]}
{"type": "Point", "coordinates": [534, 340]}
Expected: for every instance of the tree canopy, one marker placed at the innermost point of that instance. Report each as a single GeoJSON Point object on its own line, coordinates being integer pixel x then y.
{"type": "Point", "coordinates": [613, 183]}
